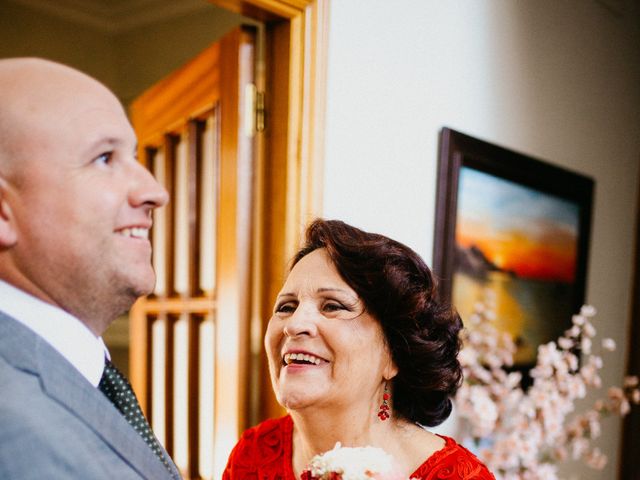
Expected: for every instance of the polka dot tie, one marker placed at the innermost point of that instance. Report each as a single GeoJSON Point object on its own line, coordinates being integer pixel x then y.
{"type": "Point", "coordinates": [118, 390]}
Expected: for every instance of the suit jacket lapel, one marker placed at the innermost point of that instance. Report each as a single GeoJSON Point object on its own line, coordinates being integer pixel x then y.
{"type": "Point", "coordinates": [63, 383]}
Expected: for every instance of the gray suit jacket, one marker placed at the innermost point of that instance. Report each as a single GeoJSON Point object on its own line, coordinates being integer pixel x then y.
{"type": "Point", "coordinates": [54, 424]}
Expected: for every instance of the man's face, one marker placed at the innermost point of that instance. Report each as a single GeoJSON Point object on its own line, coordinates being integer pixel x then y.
{"type": "Point", "coordinates": [82, 206]}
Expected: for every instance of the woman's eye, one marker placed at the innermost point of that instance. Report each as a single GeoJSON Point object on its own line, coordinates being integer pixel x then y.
{"type": "Point", "coordinates": [104, 158]}
{"type": "Point", "coordinates": [333, 307]}
{"type": "Point", "coordinates": [286, 308]}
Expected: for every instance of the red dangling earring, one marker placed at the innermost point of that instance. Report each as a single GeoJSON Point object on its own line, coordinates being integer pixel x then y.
{"type": "Point", "coordinates": [383, 413]}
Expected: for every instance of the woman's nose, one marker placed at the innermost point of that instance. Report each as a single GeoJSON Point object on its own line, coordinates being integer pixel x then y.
{"type": "Point", "coordinates": [301, 322]}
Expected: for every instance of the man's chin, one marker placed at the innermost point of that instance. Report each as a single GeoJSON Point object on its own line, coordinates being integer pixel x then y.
{"type": "Point", "coordinates": [142, 285]}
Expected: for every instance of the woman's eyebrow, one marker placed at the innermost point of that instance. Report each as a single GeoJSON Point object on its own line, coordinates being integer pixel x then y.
{"type": "Point", "coordinates": [330, 289]}
{"type": "Point", "coordinates": [320, 290]}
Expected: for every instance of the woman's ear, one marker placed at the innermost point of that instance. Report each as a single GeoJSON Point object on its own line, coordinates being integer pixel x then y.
{"type": "Point", "coordinates": [391, 370]}
{"type": "Point", "coordinates": [8, 233]}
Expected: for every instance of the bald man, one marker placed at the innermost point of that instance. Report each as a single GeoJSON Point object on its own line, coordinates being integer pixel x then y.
{"type": "Point", "coordinates": [75, 213]}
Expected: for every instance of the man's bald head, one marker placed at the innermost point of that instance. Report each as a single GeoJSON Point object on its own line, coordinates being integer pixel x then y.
{"type": "Point", "coordinates": [30, 89]}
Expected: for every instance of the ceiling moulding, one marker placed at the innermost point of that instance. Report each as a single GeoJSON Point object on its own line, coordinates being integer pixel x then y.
{"type": "Point", "coordinates": [115, 16]}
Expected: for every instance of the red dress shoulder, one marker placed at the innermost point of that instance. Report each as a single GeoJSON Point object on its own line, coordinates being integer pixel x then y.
{"type": "Point", "coordinates": [264, 453]}
{"type": "Point", "coordinates": [453, 462]}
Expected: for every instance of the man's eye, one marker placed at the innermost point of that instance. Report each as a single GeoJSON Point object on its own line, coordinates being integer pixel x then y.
{"type": "Point", "coordinates": [104, 157]}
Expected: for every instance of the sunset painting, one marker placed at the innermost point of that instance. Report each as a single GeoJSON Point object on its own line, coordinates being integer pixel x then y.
{"type": "Point", "coordinates": [522, 244]}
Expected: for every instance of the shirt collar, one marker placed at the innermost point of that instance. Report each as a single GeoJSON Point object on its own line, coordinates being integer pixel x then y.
{"type": "Point", "coordinates": [64, 332]}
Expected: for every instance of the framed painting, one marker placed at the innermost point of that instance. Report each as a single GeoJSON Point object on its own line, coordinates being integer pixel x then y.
{"type": "Point", "coordinates": [517, 226]}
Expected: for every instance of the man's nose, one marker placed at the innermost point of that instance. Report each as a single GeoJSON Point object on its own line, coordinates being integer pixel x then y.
{"type": "Point", "coordinates": [146, 190]}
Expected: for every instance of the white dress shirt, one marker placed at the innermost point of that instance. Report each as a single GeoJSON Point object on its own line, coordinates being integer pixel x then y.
{"type": "Point", "coordinates": [64, 332]}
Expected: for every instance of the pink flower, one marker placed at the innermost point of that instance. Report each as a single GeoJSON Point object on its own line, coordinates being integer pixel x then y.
{"type": "Point", "coordinates": [525, 432]}
{"type": "Point", "coordinates": [608, 344]}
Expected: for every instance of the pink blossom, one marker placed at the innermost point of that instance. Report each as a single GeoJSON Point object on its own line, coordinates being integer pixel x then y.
{"type": "Point", "coordinates": [566, 343]}
{"type": "Point", "coordinates": [596, 459]}
{"type": "Point", "coordinates": [578, 320]}
{"type": "Point", "coordinates": [585, 345]}
{"type": "Point", "coordinates": [529, 431]}
{"type": "Point", "coordinates": [588, 330]}
{"type": "Point", "coordinates": [574, 331]}
{"type": "Point", "coordinates": [608, 344]}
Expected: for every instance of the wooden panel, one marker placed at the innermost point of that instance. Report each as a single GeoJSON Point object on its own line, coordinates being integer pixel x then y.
{"type": "Point", "coordinates": [180, 418]}
{"type": "Point", "coordinates": [169, 343]}
{"type": "Point", "coordinates": [194, 159]}
{"type": "Point", "coordinates": [182, 95]}
{"type": "Point", "coordinates": [168, 146]}
{"type": "Point", "coordinates": [209, 204]}
{"type": "Point", "coordinates": [181, 221]}
{"type": "Point", "coordinates": [159, 241]}
{"type": "Point", "coordinates": [193, 396]}
{"type": "Point", "coordinates": [158, 410]}
{"type": "Point", "coordinates": [207, 393]}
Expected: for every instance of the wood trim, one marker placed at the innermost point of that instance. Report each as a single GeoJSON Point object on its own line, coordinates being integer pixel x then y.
{"type": "Point", "coordinates": [170, 162]}
{"type": "Point", "coordinates": [169, 322]}
{"type": "Point", "coordinates": [266, 10]}
{"type": "Point", "coordinates": [297, 32]}
{"type": "Point", "coordinates": [194, 137]}
{"type": "Point", "coordinates": [297, 42]}
{"type": "Point", "coordinates": [630, 449]}
{"type": "Point", "coordinates": [193, 400]}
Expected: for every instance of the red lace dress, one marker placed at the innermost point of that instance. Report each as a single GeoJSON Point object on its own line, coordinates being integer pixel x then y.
{"type": "Point", "coordinates": [264, 453]}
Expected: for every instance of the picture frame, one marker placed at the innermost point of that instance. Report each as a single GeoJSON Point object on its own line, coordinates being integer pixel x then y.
{"type": "Point", "coordinates": [516, 226]}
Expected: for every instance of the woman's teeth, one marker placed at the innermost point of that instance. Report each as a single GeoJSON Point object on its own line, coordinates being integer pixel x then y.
{"type": "Point", "coordinates": [290, 358]}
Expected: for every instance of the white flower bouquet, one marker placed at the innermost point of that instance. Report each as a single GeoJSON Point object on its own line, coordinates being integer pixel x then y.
{"type": "Point", "coordinates": [352, 463]}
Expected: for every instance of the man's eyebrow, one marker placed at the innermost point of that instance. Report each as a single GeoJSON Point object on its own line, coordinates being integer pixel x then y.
{"type": "Point", "coordinates": [109, 142]}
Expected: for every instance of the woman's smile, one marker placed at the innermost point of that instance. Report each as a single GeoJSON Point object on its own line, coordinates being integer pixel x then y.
{"type": "Point", "coordinates": [301, 358]}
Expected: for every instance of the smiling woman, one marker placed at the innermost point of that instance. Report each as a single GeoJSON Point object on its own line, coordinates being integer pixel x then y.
{"type": "Point", "coordinates": [360, 352]}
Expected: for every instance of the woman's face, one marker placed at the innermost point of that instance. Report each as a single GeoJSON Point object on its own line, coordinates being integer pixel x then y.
{"type": "Point", "coordinates": [323, 348]}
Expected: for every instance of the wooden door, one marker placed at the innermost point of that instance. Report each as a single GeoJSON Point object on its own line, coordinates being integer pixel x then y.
{"type": "Point", "coordinates": [189, 339]}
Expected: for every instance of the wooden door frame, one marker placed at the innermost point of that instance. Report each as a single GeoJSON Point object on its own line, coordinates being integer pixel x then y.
{"type": "Point", "coordinates": [288, 191]}
{"type": "Point", "coordinates": [630, 450]}
{"type": "Point", "coordinates": [298, 31]}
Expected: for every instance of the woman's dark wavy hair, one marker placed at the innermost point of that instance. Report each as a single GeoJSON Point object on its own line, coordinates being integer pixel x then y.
{"type": "Point", "coordinates": [399, 290]}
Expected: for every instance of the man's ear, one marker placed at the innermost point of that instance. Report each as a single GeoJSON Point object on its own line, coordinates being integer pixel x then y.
{"type": "Point", "coordinates": [8, 233]}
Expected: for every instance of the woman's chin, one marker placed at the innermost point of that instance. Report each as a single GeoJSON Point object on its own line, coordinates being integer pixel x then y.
{"type": "Point", "coordinates": [297, 400]}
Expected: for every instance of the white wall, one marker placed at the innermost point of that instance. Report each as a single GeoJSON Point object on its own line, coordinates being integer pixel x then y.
{"type": "Point", "coordinates": [559, 80]}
